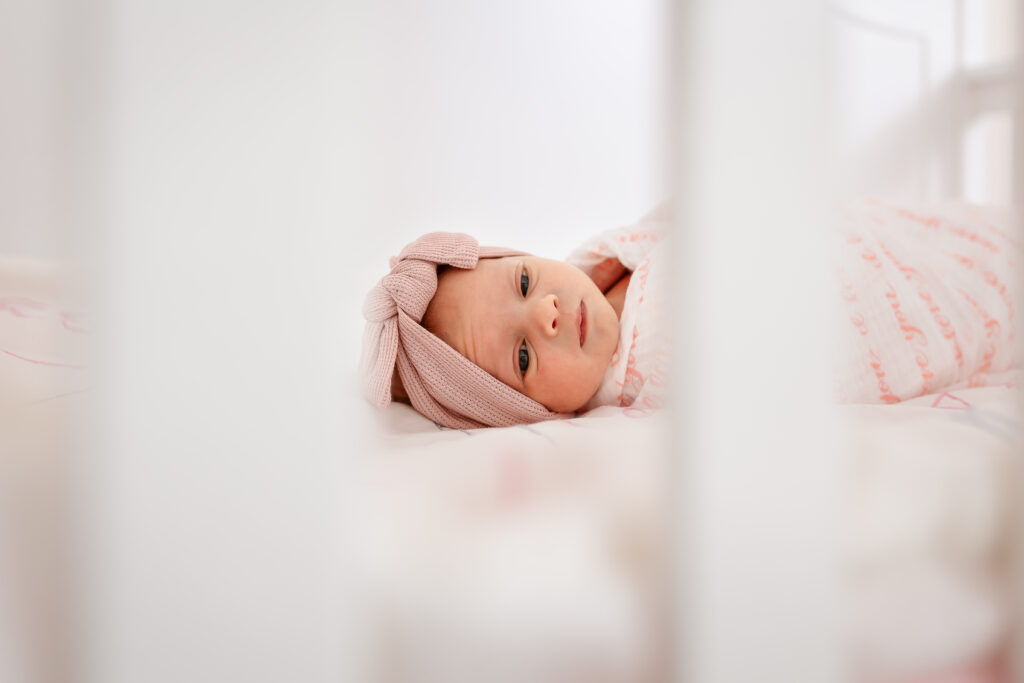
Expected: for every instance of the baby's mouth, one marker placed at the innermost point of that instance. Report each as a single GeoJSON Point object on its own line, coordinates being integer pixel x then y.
{"type": "Point", "coordinates": [581, 323]}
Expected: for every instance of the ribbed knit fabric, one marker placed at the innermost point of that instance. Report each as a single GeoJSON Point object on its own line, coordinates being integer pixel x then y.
{"type": "Point", "coordinates": [442, 384]}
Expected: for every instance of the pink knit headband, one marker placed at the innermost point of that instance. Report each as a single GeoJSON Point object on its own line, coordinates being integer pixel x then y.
{"type": "Point", "coordinates": [442, 384]}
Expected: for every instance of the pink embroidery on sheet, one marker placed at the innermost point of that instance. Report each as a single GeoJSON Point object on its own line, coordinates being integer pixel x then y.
{"type": "Point", "coordinates": [986, 360]}
{"type": "Point", "coordinates": [1014, 243]}
{"type": "Point", "coordinates": [922, 362]}
{"type": "Point", "coordinates": [947, 399]}
{"type": "Point", "coordinates": [869, 255]}
{"type": "Point", "coordinates": [944, 323]}
{"type": "Point", "coordinates": [21, 307]}
{"type": "Point", "coordinates": [926, 221]}
{"type": "Point", "coordinates": [633, 381]}
{"type": "Point", "coordinates": [992, 327]}
{"type": "Point", "coordinates": [908, 272]}
{"type": "Point", "coordinates": [641, 273]}
{"type": "Point", "coordinates": [992, 330]}
{"type": "Point", "coordinates": [948, 331]}
{"type": "Point", "coordinates": [638, 237]}
{"type": "Point", "coordinates": [42, 362]}
{"type": "Point", "coordinates": [964, 261]}
{"type": "Point", "coordinates": [70, 322]}
{"type": "Point", "coordinates": [858, 321]}
{"type": "Point", "coordinates": [647, 404]}
{"type": "Point", "coordinates": [910, 332]}
{"type": "Point", "coordinates": [645, 407]}
{"type": "Point", "coordinates": [1004, 292]}
{"type": "Point", "coordinates": [972, 236]}
{"type": "Point", "coordinates": [975, 381]}
{"type": "Point", "coordinates": [846, 289]}
{"type": "Point", "coordinates": [993, 281]}
{"type": "Point", "coordinates": [885, 392]}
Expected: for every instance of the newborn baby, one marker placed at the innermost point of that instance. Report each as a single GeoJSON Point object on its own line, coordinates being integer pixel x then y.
{"type": "Point", "coordinates": [476, 336]}
{"type": "Point", "coordinates": [479, 336]}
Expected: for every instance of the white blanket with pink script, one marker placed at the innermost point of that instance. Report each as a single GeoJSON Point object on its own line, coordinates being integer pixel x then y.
{"type": "Point", "coordinates": [927, 299]}
{"type": "Point", "coordinates": [636, 377]}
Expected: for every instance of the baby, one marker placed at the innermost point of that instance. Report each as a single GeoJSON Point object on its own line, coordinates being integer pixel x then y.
{"type": "Point", "coordinates": [478, 336]}
{"type": "Point", "coordinates": [475, 336]}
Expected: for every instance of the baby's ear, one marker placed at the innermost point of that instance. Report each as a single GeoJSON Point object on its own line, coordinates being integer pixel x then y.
{"type": "Point", "coordinates": [397, 390]}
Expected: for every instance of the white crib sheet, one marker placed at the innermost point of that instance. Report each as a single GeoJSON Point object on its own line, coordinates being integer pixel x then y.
{"type": "Point", "coordinates": [927, 529]}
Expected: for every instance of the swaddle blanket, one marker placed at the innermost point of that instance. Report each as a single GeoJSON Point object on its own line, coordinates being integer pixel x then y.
{"type": "Point", "coordinates": [927, 299]}
{"type": "Point", "coordinates": [637, 375]}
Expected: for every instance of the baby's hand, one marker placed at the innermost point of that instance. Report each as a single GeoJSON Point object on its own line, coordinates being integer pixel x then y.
{"type": "Point", "coordinates": [606, 273]}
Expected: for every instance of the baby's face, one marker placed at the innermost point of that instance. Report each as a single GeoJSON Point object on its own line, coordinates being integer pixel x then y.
{"type": "Point", "coordinates": [540, 326]}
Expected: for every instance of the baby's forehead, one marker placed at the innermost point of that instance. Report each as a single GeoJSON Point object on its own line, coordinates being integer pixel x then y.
{"type": "Point", "coordinates": [461, 290]}
{"type": "Point", "coordinates": [463, 312]}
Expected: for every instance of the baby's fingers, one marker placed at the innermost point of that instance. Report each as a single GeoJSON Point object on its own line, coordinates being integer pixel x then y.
{"type": "Point", "coordinates": [607, 273]}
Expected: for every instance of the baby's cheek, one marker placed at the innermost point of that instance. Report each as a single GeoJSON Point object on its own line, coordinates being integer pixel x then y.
{"type": "Point", "coordinates": [571, 385]}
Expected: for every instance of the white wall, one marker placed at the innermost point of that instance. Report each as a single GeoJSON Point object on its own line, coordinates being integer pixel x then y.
{"type": "Point", "coordinates": [531, 124]}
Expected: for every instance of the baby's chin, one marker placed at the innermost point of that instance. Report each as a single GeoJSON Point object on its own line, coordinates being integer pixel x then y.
{"type": "Point", "coordinates": [573, 405]}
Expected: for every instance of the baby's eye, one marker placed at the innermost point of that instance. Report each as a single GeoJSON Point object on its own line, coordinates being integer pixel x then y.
{"type": "Point", "coordinates": [524, 358]}
{"type": "Point", "coordinates": [524, 282]}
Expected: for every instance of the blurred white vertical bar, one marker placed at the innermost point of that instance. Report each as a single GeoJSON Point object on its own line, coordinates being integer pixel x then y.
{"type": "Point", "coordinates": [760, 475]}
{"type": "Point", "coordinates": [1016, 14]}
{"type": "Point", "coordinates": [29, 119]}
{"type": "Point", "coordinates": [211, 490]}
{"type": "Point", "coordinates": [1017, 134]}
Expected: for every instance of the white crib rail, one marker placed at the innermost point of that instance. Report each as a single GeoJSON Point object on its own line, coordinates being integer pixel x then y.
{"type": "Point", "coordinates": [758, 470]}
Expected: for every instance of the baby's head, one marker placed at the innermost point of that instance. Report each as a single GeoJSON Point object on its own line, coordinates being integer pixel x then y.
{"type": "Point", "coordinates": [542, 328]}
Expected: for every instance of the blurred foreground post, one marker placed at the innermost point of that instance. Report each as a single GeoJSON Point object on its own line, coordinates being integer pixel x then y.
{"type": "Point", "coordinates": [758, 481]}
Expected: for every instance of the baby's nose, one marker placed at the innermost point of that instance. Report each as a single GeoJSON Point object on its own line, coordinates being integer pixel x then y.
{"type": "Point", "coordinates": [546, 314]}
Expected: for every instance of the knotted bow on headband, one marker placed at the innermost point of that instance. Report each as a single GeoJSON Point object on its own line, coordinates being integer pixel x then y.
{"type": "Point", "coordinates": [442, 384]}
